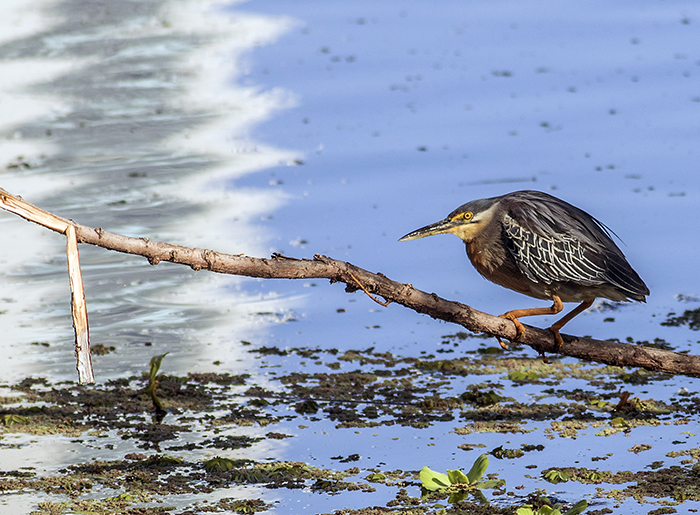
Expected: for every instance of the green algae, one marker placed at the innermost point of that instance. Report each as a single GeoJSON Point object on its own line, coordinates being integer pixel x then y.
{"type": "Point", "coordinates": [362, 389]}
{"type": "Point", "coordinates": [491, 427]}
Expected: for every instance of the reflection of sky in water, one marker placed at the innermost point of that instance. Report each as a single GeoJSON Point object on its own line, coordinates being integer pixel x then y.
{"type": "Point", "coordinates": [151, 123]}
{"type": "Point", "coordinates": [407, 111]}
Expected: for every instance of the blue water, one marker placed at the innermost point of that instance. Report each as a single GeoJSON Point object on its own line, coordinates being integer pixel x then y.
{"type": "Point", "coordinates": [335, 128]}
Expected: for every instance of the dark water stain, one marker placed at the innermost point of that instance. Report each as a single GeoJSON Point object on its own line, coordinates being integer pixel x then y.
{"type": "Point", "coordinates": [690, 317]}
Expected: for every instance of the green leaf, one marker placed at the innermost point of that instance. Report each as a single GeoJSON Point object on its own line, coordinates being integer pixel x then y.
{"type": "Point", "coordinates": [523, 376]}
{"type": "Point", "coordinates": [525, 510]}
{"type": "Point", "coordinates": [577, 508]}
{"type": "Point", "coordinates": [479, 496]}
{"type": "Point", "coordinates": [219, 464]}
{"type": "Point", "coordinates": [478, 469]}
{"type": "Point", "coordinates": [153, 383]}
{"type": "Point", "coordinates": [10, 419]}
{"type": "Point", "coordinates": [155, 366]}
{"type": "Point", "coordinates": [169, 460]}
{"type": "Point", "coordinates": [618, 422]}
{"type": "Point", "coordinates": [491, 483]}
{"type": "Point", "coordinates": [456, 497]}
{"type": "Point", "coordinates": [433, 480]}
{"type": "Point", "coordinates": [457, 477]}
{"type": "Point", "coordinates": [556, 476]}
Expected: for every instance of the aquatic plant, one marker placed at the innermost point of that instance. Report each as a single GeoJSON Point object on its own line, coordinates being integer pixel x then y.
{"type": "Point", "coordinates": [546, 509]}
{"type": "Point", "coordinates": [458, 484]}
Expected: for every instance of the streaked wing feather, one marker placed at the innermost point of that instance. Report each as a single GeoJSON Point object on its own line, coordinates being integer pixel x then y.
{"type": "Point", "coordinates": [553, 241]}
{"type": "Point", "coordinates": [625, 278]}
{"type": "Point", "coordinates": [552, 257]}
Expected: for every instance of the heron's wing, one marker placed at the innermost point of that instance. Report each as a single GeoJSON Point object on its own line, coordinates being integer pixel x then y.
{"type": "Point", "coordinates": [552, 240]}
{"type": "Point", "coordinates": [547, 255]}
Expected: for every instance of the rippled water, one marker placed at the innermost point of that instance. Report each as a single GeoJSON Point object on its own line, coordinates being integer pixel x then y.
{"type": "Point", "coordinates": [305, 127]}
{"type": "Point", "coordinates": [136, 122]}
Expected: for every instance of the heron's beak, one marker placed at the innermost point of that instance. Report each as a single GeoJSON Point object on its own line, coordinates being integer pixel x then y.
{"type": "Point", "coordinates": [441, 227]}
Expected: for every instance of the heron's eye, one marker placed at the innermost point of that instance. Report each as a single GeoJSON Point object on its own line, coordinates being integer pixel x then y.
{"type": "Point", "coordinates": [462, 217]}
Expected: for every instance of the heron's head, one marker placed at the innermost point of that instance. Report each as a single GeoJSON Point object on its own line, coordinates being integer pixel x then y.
{"type": "Point", "coordinates": [467, 221]}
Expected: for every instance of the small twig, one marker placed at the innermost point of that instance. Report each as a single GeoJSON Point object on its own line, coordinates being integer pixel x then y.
{"type": "Point", "coordinates": [624, 401]}
{"type": "Point", "coordinates": [375, 299]}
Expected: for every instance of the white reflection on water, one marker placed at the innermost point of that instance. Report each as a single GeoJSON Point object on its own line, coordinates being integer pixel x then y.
{"type": "Point", "coordinates": [131, 119]}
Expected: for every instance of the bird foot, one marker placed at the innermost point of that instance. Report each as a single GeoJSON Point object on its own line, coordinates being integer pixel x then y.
{"type": "Point", "coordinates": [519, 328]}
{"type": "Point", "coordinates": [559, 343]}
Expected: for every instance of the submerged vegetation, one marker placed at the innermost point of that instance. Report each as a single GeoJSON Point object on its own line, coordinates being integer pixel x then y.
{"type": "Point", "coordinates": [189, 444]}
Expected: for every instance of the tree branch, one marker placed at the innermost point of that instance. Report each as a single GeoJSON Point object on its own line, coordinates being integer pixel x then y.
{"type": "Point", "coordinates": [355, 278]}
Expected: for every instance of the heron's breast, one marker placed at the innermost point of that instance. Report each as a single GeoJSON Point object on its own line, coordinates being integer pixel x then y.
{"type": "Point", "coordinates": [486, 259]}
{"type": "Point", "coordinates": [497, 266]}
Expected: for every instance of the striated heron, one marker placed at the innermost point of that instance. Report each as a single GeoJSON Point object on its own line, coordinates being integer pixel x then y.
{"type": "Point", "coordinates": [541, 246]}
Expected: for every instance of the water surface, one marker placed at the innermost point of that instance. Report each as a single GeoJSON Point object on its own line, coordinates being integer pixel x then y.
{"type": "Point", "coordinates": [335, 128]}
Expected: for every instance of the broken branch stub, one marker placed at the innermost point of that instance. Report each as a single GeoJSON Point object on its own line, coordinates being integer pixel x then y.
{"type": "Point", "coordinates": [78, 307]}
{"type": "Point", "coordinates": [79, 310]}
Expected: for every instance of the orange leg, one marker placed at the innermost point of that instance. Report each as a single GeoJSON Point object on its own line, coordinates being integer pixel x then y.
{"type": "Point", "coordinates": [566, 318]}
{"type": "Point", "coordinates": [552, 310]}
